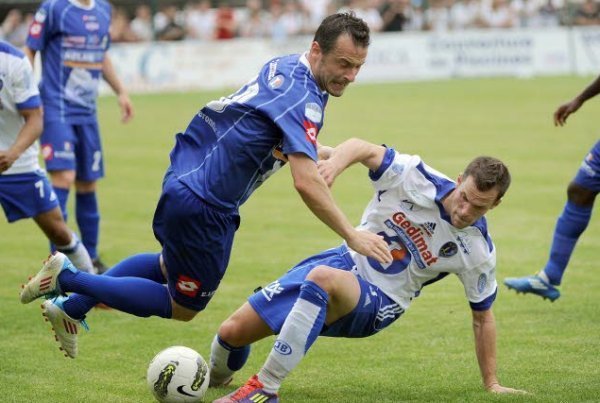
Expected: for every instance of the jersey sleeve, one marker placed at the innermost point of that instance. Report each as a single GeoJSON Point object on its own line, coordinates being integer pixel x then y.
{"type": "Point", "coordinates": [295, 109]}
{"type": "Point", "coordinates": [40, 28]}
{"type": "Point", "coordinates": [393, 169]}
{"type": "Point", "coordinates": [23, 90]}
{"type": "Point", "coordinates": [480, 284]}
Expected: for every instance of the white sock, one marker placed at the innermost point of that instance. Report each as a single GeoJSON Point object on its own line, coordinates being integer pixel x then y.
{"type": "Point", "coordinates": [78, 255]}
{"type": "Point", "coordinates": [219, 371]}
{"type": "Point", "coordinates": [289, 348]}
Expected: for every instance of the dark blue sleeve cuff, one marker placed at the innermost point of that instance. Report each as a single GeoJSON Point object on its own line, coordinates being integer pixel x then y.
{"type": "Point", "coordinates": [31, 103]}
{"type": "Point", "coordinates": [388, 158]}
{"type": "Point", "coordinates": [485, 304]}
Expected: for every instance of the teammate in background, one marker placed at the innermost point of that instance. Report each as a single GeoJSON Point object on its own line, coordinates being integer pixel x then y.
{"type": "Point", "coordinates": [229, 149]}
{"type": "Point", "coordinates": [73, 38]}
{"type": "Point", "coordinates": [25, 191]}
{"type": "Point", "coordinates": [576, 214]}
{"type": "Point", "coordinates": [433, 226]}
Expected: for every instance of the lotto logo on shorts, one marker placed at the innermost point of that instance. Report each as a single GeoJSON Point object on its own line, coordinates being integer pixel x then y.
{"type": "Point", "coordinates": [188, 286]}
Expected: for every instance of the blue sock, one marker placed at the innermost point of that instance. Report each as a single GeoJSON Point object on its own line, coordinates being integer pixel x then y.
{"type": "Point", "coordinates": [237, 355]}
{"type": "Point", "coordinates": [146, 265]}
{"type": "Point", "coordinates": [88, 220]}
{"type": "Point", "coordinates": [137, 296]}
{"type": "Point", "coordinates": [569, 227]}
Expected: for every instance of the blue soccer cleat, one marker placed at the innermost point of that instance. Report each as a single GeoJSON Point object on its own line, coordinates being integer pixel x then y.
{"type": "Point", "coordinates": [533, 285]}
{"type": "Point", "coordinates": [251, 392]}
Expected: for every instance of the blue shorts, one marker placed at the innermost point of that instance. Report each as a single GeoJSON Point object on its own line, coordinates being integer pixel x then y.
{"type": "Point", "coordinates": [26, 195]}
{"type": "Point", "coordinates": [74, 148]}
{"type": "Point", "coordinates": [588, 175]}
{"type": "Point", "coordinates": [196, 240]}
{"type": "Point", "coordinates": [374, 311]}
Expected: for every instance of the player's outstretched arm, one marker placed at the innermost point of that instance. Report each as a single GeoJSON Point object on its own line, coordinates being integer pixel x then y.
{"type": "Point", "coordinates": [484, 327]}
{"type": "Point", "coordinates": [110, 76]}
{"type": "Point", "coordinates": [30, 132]}
{"type": "Point", "coordinates": [563, 111]}
{"type": "Point", "coordinates": [316, 195]}
{"type": "Point", "coordinates": [347, 153]}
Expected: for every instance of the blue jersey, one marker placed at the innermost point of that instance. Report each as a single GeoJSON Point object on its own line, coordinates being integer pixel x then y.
{"type": "Point", "coordinates": [234, 144]}
{"type": "Point", "coordinates": [73, 40]}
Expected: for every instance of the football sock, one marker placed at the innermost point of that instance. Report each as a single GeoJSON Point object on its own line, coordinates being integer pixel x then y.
{"type": "Point", "coordinates": [225, 360]}
{"type": "Point", "coordinates": [88, 220]}
{"type": "Point", "coordinates": [299, 331]}
{"type": "Point", "coordinates": [135, 295]}
{"type": "Point", "coordinates": [569, 227]}
{"type": "Point", "coordinates": [62, 195]}
{"type": "Point", "coordinates": [77, 254]}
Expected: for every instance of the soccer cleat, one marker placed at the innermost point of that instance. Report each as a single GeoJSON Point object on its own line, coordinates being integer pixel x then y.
{"type": "Point", "coordinates": [64, 327]}
{"type": "Point", "coordinates": [45, 283]}
{"type": "Point", "coordinates": [251, 392]}
{"type": "Point", "coordinates": [533, 285]}
{"type": "Point", "coordinates": [99, 266]}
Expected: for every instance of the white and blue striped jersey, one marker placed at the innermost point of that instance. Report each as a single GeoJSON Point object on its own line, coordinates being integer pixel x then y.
{"type": "Point", "coordinates": [73, 40]}
{"type": "Point", "coordinates": [17, 92]}
{"type": "Point", "coordinates": [234, 144]}
{"type": "Point", "coordinates": [407, 211]}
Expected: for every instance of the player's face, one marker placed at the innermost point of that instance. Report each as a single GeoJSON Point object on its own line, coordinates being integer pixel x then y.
{"type": "Point", "coordinates": [338, 68]}
{"type": "Point", "coordinates": [467, 204]}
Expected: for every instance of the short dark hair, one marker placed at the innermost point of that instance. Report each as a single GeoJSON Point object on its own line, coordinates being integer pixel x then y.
{"type": "Point", "coordinates": [342, 23]}
{"type": "Point", "coordinates": [489, 173]}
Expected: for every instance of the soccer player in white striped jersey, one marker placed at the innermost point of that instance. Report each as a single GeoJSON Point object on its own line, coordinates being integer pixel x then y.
{"type": "Point", "coordinates": [433, 226]}
{"type": "Point", "coordinates": [25, 191]}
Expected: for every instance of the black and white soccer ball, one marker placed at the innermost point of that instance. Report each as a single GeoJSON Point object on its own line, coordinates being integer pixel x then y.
{"type": "Point", "coordinates": [178, 374]}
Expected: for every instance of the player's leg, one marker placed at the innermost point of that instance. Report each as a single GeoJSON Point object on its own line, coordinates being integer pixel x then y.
{"type": "Point", "coordinates": [52, 224]}
{"type": "Point", "coordinates": [90, 168]}
{"type": "Point", "coordinates": [574, 219]}
{"type": "Point", "coordinates": [231, 345]}
{"type": "Point", "coordinates": [58, 149]}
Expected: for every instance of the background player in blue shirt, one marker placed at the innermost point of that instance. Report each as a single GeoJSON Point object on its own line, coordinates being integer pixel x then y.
{"type": "Point", "coordinates": [576, 214]}
{"type": "Point", "coordinates": [25, 191]}
{"type": "Point", "coordinates": [73, 38]}
{"type": "Point", "coordinates": [230, 147]}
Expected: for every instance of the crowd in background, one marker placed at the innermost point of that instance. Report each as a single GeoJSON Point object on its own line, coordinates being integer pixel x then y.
{"type": "Point", "coordinates": [280, 19]}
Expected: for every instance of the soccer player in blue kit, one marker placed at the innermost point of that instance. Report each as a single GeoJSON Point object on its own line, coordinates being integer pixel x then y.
{"type": "Point", "coordinates": [73, 39]}
{"type": "Point", "coordinates": [434, 227]}
{"type": "Point", "coordinates": [230, 147]}
{"type": "Point", "coordinates": [581, 194]}
{"type": "Point", "coordinates": [25, 191]}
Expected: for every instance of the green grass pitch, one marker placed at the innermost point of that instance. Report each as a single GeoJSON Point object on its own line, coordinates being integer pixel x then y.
{"type": "Point", "coordinates": [551, 350]}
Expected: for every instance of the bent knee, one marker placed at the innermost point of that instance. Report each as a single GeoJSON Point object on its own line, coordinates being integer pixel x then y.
{"type": "Point", "coordinates": [324, 277]}
{"type": "Point", "coordinates": [231, 332]}
{"type": "Point", "coordinates": [182, 313]}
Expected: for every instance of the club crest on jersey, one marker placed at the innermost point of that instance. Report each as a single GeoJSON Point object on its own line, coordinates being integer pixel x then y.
{"type": "Point", "coordinates": [313, 112]}
{"type": "Point", "coordinates": [40, 16]}
{"type": "Point", "coordinates": [35, 30]}
{"type": "Point", "coordinates": [47, 152]}
{"type": "Point", "coordinates": [448, 249]}
{"type": "Point", "coordinates": [311, 131]}
{"type": "Point", "coordinates": [188, 286]}
{"type": "Point", "coordinates": [276, 82]}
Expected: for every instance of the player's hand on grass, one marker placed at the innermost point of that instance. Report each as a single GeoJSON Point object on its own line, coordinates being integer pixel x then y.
{"type": "Point", "coordinates": [369, 244]}
{"type": "Point", "coordinates": [563, 111]}
{"type": "Point", "coordinates": [126, 107]}
{"type": "Point", "coordinates": [497, 388]}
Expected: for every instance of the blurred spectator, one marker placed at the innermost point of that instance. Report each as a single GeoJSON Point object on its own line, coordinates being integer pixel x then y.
{"type": "Point", "coordinates": [464, 14]}
{"type": "Point", "coordinates": [437, 16]}
{"type": "Point", "coordinates": [316, 11]}
{"type": "Point", "coordinates": [141, 25]}
{"type": "Point", "coordinates": [225, 22]}
{"type": "Point", "coordinates": [498, 14]}
{"type": "Point", "coordinates": [588, 13]}
{"type": "Point", "coordinates": [366, 10]}
{"type": "Point", "coordinates": [254, 22]}
{"type": "Point", "coordinates": [200, 21]}
{"type": "Point", "coordinates": [120, 30]}
{"type": "Point", "coordinates": [395, 15]}
{"type": "Point", "coordinates": [171, 29]}
{"type": "Point", "coordinates": [9, 30]}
